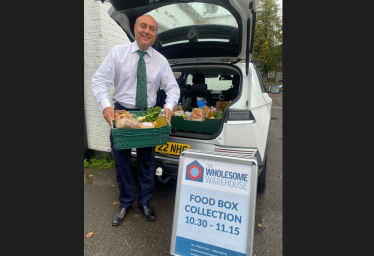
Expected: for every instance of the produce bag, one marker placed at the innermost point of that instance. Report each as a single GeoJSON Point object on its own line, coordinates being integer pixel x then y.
{"type": "Point", "coordinates": [177, 108]}
{"type": "Point", "coordinates": [127, 123]}
{"type": "Point", "coordinates": [197, 114]}
{"type": "Point", "coordinates": [188, 115]}
{"type": "Point", "coordinates": [178, 113]}
{"type": "Point", "coordinates": [222, 104]}
{"type": "Point", "coordinates": [201, 102]}
{"type": "Point", "coordinates": [211, 112]}
{"type": "Point", "coordinates": [120, 114]}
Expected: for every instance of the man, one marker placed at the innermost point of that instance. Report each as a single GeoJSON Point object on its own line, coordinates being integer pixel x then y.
{"type": "Point", "coordinates": [138, 70]}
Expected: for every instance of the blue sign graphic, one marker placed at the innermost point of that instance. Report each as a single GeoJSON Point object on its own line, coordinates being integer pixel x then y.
{"type": "Point", "coordinates": [195, 171]}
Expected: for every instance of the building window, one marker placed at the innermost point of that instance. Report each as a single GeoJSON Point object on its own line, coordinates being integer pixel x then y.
{"type": "Point", "coordinates": [279, 77]}
{"type": "Point", "coordinates": [271, 74]}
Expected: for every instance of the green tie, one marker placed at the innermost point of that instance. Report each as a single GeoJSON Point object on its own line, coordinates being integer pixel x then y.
{"type": "Point", "coordinates": [141, 89]}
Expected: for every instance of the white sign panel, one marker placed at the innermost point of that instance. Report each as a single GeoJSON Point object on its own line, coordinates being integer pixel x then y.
{"type": "Point", "coordinates": [214, 215]}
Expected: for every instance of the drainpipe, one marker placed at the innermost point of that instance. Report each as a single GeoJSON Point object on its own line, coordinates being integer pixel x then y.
{"type": "Point", "coordinates": [85, 134]}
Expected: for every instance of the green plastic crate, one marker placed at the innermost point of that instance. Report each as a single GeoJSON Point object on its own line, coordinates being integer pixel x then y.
{"type": "Point", "coordinates": [206, 126]}
{"type": "Point", "coordinates": [141, 137]}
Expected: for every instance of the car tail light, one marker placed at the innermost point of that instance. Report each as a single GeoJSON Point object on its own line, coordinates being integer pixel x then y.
{"type": "Point", "coordinates": [239, 115]}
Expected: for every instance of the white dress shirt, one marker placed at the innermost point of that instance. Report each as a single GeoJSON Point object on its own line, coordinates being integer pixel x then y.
{"type": "Point", "coordinates": [121, 65]}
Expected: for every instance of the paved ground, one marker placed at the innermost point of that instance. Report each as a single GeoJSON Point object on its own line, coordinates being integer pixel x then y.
{"type": "Point", "coordinates": [136, 236]}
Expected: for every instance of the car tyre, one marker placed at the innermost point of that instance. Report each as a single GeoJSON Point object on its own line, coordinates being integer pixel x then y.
{"type": "Point", "coordinates": [261, 181]}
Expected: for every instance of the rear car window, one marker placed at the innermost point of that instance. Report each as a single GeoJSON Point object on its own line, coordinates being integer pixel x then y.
{"type": "Point", "coordinates": [213, 83]}
{"type": "Point", "coordinates": [194, 23]}
{"type": "Point", "coordinates": [262, 84]}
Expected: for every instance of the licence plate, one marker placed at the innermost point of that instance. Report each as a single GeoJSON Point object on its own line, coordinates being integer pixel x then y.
{"type": "Point", "coordinates": [172, 148]}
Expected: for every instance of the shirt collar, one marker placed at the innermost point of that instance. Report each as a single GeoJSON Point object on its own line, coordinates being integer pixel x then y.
{"type": "Point", "coordinates": [135, 47]}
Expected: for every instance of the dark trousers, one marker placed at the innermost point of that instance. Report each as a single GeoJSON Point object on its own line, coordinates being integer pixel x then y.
{"type": "Point", "coordinates": [146, 172]}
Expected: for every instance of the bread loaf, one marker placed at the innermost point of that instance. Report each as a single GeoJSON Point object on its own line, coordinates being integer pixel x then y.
{"type": "Point", "coordinates": [127, 123]}
{"type": "Point", "coordinates": [197, 114]}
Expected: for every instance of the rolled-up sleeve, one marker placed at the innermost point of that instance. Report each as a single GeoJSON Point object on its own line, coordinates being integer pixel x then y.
{"type": "Point", "coordinates": [103, 78]}
{"type": "Point", "coordinates": [170, 86]}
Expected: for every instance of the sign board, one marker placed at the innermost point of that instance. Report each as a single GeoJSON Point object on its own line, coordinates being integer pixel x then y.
{"type": "Point", "coordinates": [214, 205]}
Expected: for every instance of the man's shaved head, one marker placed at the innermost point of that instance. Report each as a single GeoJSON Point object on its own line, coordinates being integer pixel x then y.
{"type": "Point", "coordinates": [146, 15]}
{"type": "Point", "coordinates": [145, 30]}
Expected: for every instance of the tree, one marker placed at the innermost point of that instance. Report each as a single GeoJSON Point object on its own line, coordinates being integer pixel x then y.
{"type": "Point", "coordinates": [268, 35]}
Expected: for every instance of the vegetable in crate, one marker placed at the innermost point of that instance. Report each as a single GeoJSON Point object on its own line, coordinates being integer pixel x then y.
{"type": "Point", "coordinates": [127, 123]}
{"type": "Point", "coordinates": [150, 115]}
{"type": "Point", "coordinates": [186, 104]}
{"type": "Point", "coordinates": [124, 119]}
{"type": "Point", "coordinates": [218, 115]}
{"type": "Point", "coordinates": [120, 114]}
{"type": "Point", "coordinates": [188, 115]}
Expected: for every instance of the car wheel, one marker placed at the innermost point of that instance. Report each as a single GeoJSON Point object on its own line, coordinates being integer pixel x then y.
{"type": "Point", "coordinates": [261, 181]}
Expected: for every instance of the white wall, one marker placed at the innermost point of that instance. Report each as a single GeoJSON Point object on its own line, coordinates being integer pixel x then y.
{"type": "Point", "coordinates": [101, 34]}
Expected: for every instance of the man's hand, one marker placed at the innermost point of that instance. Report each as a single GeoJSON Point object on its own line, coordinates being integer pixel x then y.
{"type": "Point", "coordinates": [108, 114]}
{"type": "Point", "coordinates": [168, 114]}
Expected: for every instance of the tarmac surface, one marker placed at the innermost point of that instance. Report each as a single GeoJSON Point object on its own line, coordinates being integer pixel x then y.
{"type": "Point", "coordinates": [137, 237]}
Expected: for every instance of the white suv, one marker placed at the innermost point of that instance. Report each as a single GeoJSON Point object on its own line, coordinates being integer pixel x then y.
{"type": "Point", "coordinates": [209, 47]}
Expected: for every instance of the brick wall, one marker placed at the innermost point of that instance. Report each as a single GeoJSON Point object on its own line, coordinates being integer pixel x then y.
{"type": "Point", "coordinates": [101, 34]}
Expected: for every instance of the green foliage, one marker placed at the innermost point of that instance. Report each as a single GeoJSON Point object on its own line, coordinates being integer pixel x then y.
{"type": "Point", "coordinates": [268, 36]}
{"type": "Point", "coordinates": [100, 163]}
{"type": "Point", "coordinates": [150, 115]}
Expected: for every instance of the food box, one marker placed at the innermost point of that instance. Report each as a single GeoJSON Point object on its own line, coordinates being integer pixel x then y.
{"type": "Point", "coordinates": [206, 126]}
{"type": "Point", "coordinates": [140, 137]}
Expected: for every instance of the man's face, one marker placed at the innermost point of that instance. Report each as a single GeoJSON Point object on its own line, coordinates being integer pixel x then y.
{"type": "Point", "coordinates": [145, 30]}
